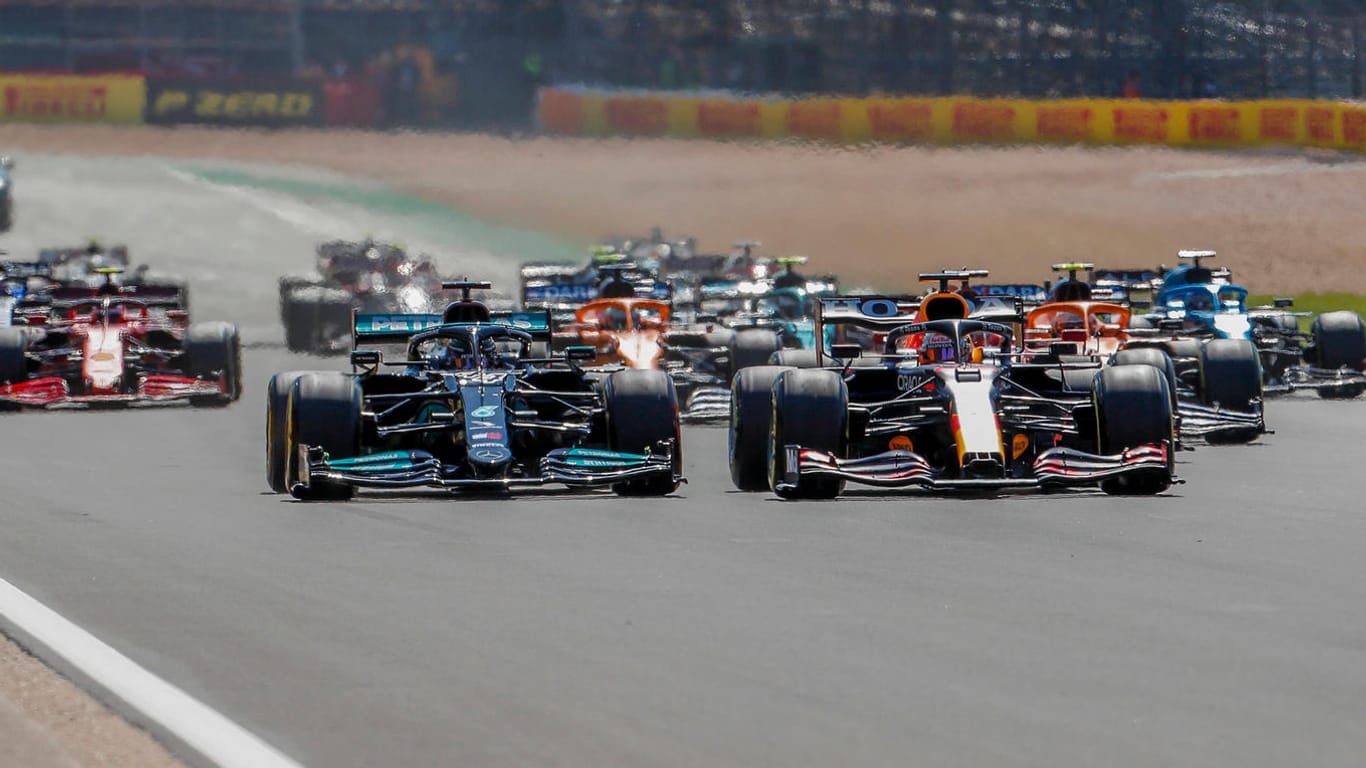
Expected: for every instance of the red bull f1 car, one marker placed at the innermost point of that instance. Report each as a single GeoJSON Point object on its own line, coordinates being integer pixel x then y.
{"type": "Point", "coordinates": [945, 403]}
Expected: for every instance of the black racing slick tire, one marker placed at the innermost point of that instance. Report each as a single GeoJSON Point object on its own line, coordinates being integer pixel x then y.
{"type": "Point", "coordinates": [277, 426]}
{"type": "Point", "coordinates": [1339, 341]}
{"type": "Point", "coordinates": [214, 351]}
{"type": "Point", "coordinates": [751, 347]}
{"type": "Point", "coordinates": [1153, 357]}
{"type": "Point", "coordinates": [315, 316]}
{"type": "Point", "coordinates": [751, 415]}
{"type": "Point", "coordinates": [13, 356]}
{"type": "Point", "coordinates": [810, 409]}
{"type": "Point", "coordinates": [1133, 408]}
{"type": "Point", "coordinates": [1179, 348]}
{"type": "Point", "coordinates": [300, 317]}
{"type": "Point", "coordinates": [794, 358]}
{"type": "Point", "coordinates": [642, 412]}
{"type": "Point", "coordinates": [324, 412]}
{"type": "Point", "coordinates": [1230, 374]}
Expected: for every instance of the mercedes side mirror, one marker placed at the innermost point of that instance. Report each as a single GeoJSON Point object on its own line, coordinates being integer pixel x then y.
{"type": "Point", "coordinates": [580, 353]}
{"type": "Point", "coordinates": [365, 358]}
{"type": "Point", "coordinates": [845, 351]}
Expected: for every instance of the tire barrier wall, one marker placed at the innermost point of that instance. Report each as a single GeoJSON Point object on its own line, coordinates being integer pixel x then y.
{"type": "Point", "coordinates": [958, 120]}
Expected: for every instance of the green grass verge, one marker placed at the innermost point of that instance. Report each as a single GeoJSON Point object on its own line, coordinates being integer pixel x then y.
{"type": "Point", "coordinates": [1318, 303]}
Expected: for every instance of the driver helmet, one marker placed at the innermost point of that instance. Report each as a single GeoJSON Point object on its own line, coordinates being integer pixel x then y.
{"type": "Point", "coordinates": [488, 351]}
{"type": "Point", "coordinates": [112, 313]}
{"type": "Point", "coordinates": [1200, 302]}
{"type": "Point", "coordinates": [612, 319]}
{"type": "Point", "coordinates": [937, 348]}
{"type": "Point", "coordinates": [1067, 321]}
{"type": "Point", "coordinates": [450, 355]}
{"type": "Point", "coordinates": [789, 279]}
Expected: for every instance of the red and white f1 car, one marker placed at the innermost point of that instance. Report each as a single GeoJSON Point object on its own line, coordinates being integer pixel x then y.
{"type": "Point", "coordinates": [113, 348]}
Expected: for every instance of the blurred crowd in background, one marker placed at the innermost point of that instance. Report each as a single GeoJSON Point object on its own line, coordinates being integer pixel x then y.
{"type": "Point", "coordinates": [480, 61]}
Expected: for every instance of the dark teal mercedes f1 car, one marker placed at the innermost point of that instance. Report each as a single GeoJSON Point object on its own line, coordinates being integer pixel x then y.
{"type": "Point", "coordinates": [476, 403]}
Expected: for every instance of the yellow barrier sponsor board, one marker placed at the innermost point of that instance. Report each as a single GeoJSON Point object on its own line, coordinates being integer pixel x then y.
{"type": "Point", "coordinates": [72, 98]}
{"type": "Point", "coordinates": [962, 120]}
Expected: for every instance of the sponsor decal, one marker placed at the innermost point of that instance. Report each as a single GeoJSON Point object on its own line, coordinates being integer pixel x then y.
{"type": "Point", "coordinates": [814, 119]}
{"type": "Point", "coordinates": [561, 112]}
{"type": "Point", "coordinates": [487, 436]}
{"type": "Point", "coordinates": [86, 103]}
{"type": "Point", "coordinates": [396, 323]}
{"type": "Point", "coordinates": [233, 103]}
{"type": "Point", "coordinates": [1141, 124]}
{"type": "Point", "coordinates": [1064, 123]}
{"type": "Point", "coordinates": [991, 122]}
{"type": "Point", "coordinates": [1318, 122]}
{"type": "Point", "coordinates": [489, 452]}
{"type": "Point", "coordinates": [603, 463]}
{"type": "Point", "coordinates": [1354, 126]}
{"type": "Point", "coordinates": [1218, 124]}
{"type": "Point", "coordinates": [484, 412]}
{"type": "Point", "coordinates": [527, 321]}
{"type": "Point", "coordinates": [866, 307]}
{"type": "Point", "coordinates": [71, 98]}
{"type": "Point", "coordinates": [638, 116]}
{"type": "Point", "coordinates": [901, 120]}
{"type": "Point", "coordinates": [906, 381]}
{"type": "Point", "coordinates": [996, 303]}
{"type": "Point", "coordinates": [1278, 123]}
{"type": "Point", "coordinates": [901, 443]}
{"type": "Point", "coordinates": [728, 118]}
{"type": "Point", "coordinates": [1026, 291]}
{"type": "Point", "coordinates": [562, 292]}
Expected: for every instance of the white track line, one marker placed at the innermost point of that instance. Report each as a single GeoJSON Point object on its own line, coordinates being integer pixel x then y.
{"type": "Point", "coordinates": [1281, 169]}
{"type": "Point", "coordinates": [203, 729]}
{"type": "Point", "coordinates": [295, 213]}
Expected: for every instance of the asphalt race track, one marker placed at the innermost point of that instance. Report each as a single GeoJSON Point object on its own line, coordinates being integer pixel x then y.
{"type": "Point", "coordinates": [1219, 625]}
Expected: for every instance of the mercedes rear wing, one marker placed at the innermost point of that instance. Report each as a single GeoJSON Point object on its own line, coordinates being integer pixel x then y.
{"type": "Point", "coordinates": [397, 328]}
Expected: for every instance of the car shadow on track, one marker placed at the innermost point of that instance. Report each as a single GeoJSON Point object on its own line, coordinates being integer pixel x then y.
{"type": "Point", "coordinates": [431, 496]}
{"type": "Point", "coordinates": [965, 497]}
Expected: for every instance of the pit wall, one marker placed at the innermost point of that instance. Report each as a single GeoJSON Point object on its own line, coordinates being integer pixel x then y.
{"type": "Point", "coordinates": [957, 120]}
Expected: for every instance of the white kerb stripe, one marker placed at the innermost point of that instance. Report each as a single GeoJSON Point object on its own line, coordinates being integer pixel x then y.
{"type": "Point", "coordinates": [203, 729]}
